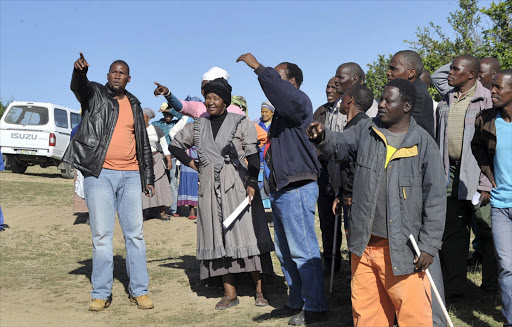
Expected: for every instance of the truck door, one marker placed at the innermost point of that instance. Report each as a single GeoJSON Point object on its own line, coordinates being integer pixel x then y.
{"type": "Point", "coordinates": [62, 132]}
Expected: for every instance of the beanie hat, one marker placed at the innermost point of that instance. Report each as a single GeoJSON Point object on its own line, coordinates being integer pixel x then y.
{"type": "Point", "coordinates": [220, 87]}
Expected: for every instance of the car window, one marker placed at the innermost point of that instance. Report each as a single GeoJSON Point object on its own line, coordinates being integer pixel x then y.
{"type": "Point", "coordinates": [75, 119]}
{"type": "Point", "coordinates": [27, 115]}
{"type": "Point", "coordinates": [61, 118]}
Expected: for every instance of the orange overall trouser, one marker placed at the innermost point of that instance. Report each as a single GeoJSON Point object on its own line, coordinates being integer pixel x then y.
{"type": "Point", "coordinates": [378, 295]}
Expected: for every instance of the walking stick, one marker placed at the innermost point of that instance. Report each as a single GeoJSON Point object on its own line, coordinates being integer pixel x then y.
{"type": "Point", "coordinates": [436, 292]}
{"type": "Point", "coordinates": [333, 260]}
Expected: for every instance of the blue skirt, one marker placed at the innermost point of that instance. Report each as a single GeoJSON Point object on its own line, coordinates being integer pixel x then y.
{"type": "Point", "coordinates": [187, 190]}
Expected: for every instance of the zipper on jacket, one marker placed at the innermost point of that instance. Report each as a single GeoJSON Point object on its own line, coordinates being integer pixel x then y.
{"type": "Point", "coordinates": [403, 189]}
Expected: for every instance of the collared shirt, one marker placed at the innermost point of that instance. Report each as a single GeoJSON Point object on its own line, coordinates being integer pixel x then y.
{"type": "Point", "coordinates": [335, 120]}
{"type": "Point", "coordinates": [455, 124]}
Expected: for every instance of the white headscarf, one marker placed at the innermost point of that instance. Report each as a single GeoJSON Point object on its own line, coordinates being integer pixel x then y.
{"type": "Point", "coordinates": [214, 73]}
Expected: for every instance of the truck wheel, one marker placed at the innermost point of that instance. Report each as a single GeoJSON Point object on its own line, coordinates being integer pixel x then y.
{"type": "Point", "coordinates": [16, 166]}
{"type": "Point", "coordinates": [68, 171]}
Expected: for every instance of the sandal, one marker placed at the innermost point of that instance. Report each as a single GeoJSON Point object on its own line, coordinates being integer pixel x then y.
{"type": "Point", "coordinates": [260, 300]}
{"type": "Point", "coordinates": [226, 302]}
{"type": "Point", "coordinates": [192, 217]}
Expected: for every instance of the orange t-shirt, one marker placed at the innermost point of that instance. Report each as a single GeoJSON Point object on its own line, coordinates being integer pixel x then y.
{"type": "Point", "coordinates": [121, 153]}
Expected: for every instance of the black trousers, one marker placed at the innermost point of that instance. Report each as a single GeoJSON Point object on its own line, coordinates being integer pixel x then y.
{"type": "Point", "coordinates": [327, 220]}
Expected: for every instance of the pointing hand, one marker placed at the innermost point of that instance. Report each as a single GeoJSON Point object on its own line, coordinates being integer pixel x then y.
{"type": "Point", "coordinates": [81, 64]}
{"type": "Point", "coordinates": [160, 90]}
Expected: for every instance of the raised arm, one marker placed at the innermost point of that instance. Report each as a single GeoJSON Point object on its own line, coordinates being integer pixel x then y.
{"type": "Point", "coordinates": [175, 105]}
{"type": "Point", "coordinates": [440, 79]}
{"type": "Point", "coordinates": [289, 101]}
{"type": "Point", "coordinates": [336, 145]}
{"type": "Point", "coordinates": [80, 85]}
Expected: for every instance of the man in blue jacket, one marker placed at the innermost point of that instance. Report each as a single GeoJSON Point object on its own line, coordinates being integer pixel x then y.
{"type": "Point", "coordinates": [294, 169]}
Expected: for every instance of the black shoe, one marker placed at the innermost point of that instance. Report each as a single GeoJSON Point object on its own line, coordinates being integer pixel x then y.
{"type": "Point", "coordinates": [284, 312]}
{"type": "Point", "coordinates": [307, 317]}
{"type": "Point", "coordinates": [164, 217]}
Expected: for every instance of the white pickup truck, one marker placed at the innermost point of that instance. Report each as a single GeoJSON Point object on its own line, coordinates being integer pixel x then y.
{"type": "Point", "coordinates": [37, 133]}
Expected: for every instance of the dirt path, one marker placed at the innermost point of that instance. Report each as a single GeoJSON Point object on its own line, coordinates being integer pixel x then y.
{"type": "Point", "coordinates": [45, 270]}
{"type": "Point", "coordinates": [46, 265]}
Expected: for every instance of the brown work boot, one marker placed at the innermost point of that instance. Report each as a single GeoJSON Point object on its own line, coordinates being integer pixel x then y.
{"type": "Point", "coordinates": [143, 302]}
{"type": "Point", "coordinates": [99, 304]}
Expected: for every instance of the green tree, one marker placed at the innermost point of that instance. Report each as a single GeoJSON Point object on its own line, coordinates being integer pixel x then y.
{"type": "Point", "coordinates": [376, 77]}
{"type": "Point", "coordinates": [487, 36]}
{"type": "Point", "coordinates": [4, 105]}
{"type": "Point", "coordinates": [498, 38]}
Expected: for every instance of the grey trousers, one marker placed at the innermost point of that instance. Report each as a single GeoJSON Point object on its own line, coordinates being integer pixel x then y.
{"type": "Point", "coordinates": [437, 276]}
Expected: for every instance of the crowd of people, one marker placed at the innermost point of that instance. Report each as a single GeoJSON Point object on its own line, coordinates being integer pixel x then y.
{"type": "Point", "coordinates": [397, 169]}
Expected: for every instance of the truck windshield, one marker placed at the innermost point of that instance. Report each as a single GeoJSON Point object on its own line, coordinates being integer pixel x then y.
{"type": "Point", "coordinates": [27, 115]}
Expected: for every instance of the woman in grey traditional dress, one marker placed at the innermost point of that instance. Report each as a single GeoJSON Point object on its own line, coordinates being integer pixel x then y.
{"type": "Point", "coordinates": [228, 168]}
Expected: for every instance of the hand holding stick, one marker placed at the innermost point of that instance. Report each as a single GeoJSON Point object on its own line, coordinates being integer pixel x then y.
{"type": "Point", "coordinates": [434, 288]}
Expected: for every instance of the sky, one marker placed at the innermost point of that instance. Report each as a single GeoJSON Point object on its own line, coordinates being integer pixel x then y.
{"type": "Point", "coordinates": [176, 42]}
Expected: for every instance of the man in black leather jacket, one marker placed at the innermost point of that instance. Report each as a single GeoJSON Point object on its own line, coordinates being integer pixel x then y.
{"type": "Point", "coordinates": [112, 150]}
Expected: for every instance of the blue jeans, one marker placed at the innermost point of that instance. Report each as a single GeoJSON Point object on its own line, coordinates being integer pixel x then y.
{"type": "Point", "coordinates": [297, 246]}
{"type": "Point", "coordinates": [1, 217]}
{"type": "Point", "coordinates": [502, 234]}
{"type": "Point", "coordinates": [116, 190]}
{"type": "Point", "coordinates": [173, 183]}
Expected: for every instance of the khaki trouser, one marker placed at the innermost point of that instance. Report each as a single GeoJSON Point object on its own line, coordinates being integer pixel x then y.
{"type": "Point", "coordinates": [377, 294]}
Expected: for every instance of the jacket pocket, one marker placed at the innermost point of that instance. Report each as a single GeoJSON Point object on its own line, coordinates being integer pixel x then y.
{"type": "Point", "coordinates": [411, 199]}
{"type": "Point", "coordinates": [95, 115]}
{"type": "Point", "coordinates": [88, 141]}
{"type": "Point", "coordinates": [364, 176]}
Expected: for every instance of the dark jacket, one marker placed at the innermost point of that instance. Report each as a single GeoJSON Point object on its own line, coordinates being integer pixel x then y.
{"type": "Point", "coordinates": [293, 155]}
{"type": "Point", "coordinates": [484, 141]}
{"type": "Point", "coordinates": [416, 202]}
{"type": "Point", "coordinates": [347, 167]}
{"type": "Point", "coordinates": [88, 148]}
{"type": "Point", "coordinates": [423, 111]}
{"type": "Point", "coordinates": [320, 115]}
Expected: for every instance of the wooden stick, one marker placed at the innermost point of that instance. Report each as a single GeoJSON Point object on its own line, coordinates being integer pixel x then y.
{"type": "Point", "coordinates": [436, 292]}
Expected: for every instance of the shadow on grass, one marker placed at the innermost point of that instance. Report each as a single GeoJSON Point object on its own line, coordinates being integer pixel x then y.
{"type": "Point", "coordinates": [44, 175]}
{"type": "Point", "coordinates": [119, 270]}
{"type": "Point", "coordinates": [274, 286]}
{"type": "Point", "coordinates": [81, 218]}
{"type": "Point", "coordinates": [475, 301]}
{"type": "Point", "coordinates": [339, 302]}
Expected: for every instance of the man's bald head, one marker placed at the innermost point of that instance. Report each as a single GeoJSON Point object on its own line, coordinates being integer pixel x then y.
{"type": "Point", "coordinates": [501, 92]}
{"type": "Point", "coordinates": [411, 59]}
{"type": "Point", "coordinates": [471, 62]}
{"type": "Point", "coordinates": [354, 69]}
{"type": "Point", "coordinates": [507, 73]}
{"type": "Point", "coordinates": [463, 72]}
{"type": "Point", "coordinates": [489, 67]}
{"type": "Point", "coordinates": [348, 74]}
